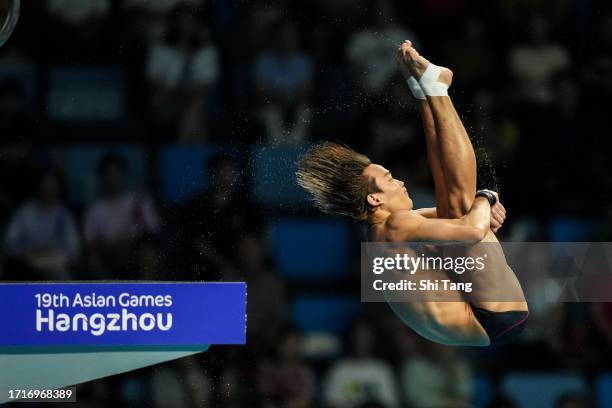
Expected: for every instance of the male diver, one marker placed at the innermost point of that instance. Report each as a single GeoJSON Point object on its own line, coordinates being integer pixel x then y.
{"type": "Point", "coordinates": [344, 182]}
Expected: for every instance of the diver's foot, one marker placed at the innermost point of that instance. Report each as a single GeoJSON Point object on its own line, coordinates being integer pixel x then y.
{"type": "Point", "coordinates": [417, 64]}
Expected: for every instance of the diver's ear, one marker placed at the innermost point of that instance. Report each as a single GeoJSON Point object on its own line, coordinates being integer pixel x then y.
{"type": "Point", "coordinates": [373, 200]}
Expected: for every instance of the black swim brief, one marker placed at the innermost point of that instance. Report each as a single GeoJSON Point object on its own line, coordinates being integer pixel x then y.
{"type": "Point", "coordinates": [501, 327]}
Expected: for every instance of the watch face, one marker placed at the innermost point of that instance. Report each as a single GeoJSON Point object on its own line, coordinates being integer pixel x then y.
{"type": "Point", "coordinates": [9, 14]}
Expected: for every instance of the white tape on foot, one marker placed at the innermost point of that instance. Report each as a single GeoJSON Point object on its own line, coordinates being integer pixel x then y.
{"type": "Point", "coordinates": [430, 84]}
{"type": "Point", "coordinates": [415, 88]}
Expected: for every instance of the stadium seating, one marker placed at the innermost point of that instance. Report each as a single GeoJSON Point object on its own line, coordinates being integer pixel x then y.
{"type": "Point", "coordinates": [25, 75]}
{"type": "Point", "coordinates": [311, 249]}
{"type": "Point", "coordinates": [330, 314]}
{"type": "Point", "coordinates": [541, 390]}
{"type": "Point", "coordinates": [482, 392]}
{"type": "Point", "coordinates": [81, 164]}
{"type": "Point", "coordinates": [603, 390]}
{"type": "Point", "coordinates": [183, 171]}
{"type": "Point", "coordinates": [274, 177]}
{"type": "Point", "coordinates": [565, 229]}
{"type": "Point", "coordinates": [95, 94]}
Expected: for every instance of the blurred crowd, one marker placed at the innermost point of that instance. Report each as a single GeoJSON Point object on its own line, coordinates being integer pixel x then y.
{"type": "Point", "coordinates": [532, 82]}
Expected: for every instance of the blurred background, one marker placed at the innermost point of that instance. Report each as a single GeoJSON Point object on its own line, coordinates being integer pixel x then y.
{"type": "Point", "coordinates": [157, 140]}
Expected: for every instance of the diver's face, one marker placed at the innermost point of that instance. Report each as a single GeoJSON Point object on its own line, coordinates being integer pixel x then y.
{"type": "Point", "coordinates": [392, 194]}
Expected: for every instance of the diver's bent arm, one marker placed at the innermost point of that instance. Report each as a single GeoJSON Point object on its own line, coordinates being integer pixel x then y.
{"type": "Point", "coordinates": [472, 227]}
{"type": "Point", "coordinates": [427, 212]}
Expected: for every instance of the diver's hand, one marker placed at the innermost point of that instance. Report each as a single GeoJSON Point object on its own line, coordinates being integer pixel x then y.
{"type": "Point", "coordinates": [498, 215]}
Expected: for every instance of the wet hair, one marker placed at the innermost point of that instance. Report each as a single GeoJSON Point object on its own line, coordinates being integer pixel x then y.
{"type": "Point", "coordinates": [333, 175]}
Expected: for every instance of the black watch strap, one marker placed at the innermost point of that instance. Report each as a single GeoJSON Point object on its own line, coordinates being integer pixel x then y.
{"type": "Point", "coordinates": [491, 198]}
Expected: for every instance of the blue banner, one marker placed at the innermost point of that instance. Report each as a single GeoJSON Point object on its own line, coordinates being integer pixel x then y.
{"type": "Point", "coordinates": [109, 314]}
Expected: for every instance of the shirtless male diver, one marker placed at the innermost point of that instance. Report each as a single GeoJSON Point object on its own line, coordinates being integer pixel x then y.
{"type": "Point", "coordinates": [344, 182]}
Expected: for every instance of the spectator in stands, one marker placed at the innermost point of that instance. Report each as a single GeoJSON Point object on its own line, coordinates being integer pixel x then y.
{"type": "Point", "coordinates": [116, 220]}
{"type": "Point", "coordinates": [182, 70]}
{"type": "Point", "coordinates": [598, 70]}
{"type": "Point", "coordinates": [570, 140]}
{"type": "Point", "coordinates": [371, 49]}
{"type": "Point", "coordinates": [15, 117]}
{"type": "Point", "coordinates": [238, 381]}
{"type": "Point", "coordinates": [514, 12]}
{"type": "Point", "coordinates": [437, 377]}
{"type": "Point", "coordinates": [360, 377]}
{"type": "Point", "coordinates": [18, 130]}
{"type": "Point", "coordinates": [494, 127]}
{"type": "Point", "coordinates": [150, 14]}
{"type": "Point", "coordinates": [602, 317]}
{"type": "Point", "coordinates": [573, 400]}
{"type": "Point", "coordinates": [596, 86]}
{"type": "Point", "coordinates": [147, 259]}
{"type": "Point", "coordinates": [78, 12]}
{"type": "Point", "coordinates": [542, 336]}
{"type": "Point", "coordinates": [392, 128]}
{"type": "Point", "coordinates": [260, 17]}
{"type": "Point", "coordinates": [284, 78]}
{"type": "Point", "coordinates": [471, 54]}
{"type": "Point", "coordinates": [210, 223]}
{"type": "Point", "coordinates": [576, 339]}
{"type": "Point", "coordinates": [534, 64]}
{"type": "Point", "coordinates": [267, 305]}
{"type": "Point", "coordinates": [182, 383]}
{"type": "Point", "coordinates": [42, 237]}
{"type": "Point", "coordinates": [287, 379]}
{"type": "Point", "coordinates": [160, 6]}
{"type": "Point", "coordinates": [81, 29]}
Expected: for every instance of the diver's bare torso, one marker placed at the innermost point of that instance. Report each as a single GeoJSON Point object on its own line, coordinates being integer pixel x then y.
{"type": "Point", "coordinates": [438, 320]}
